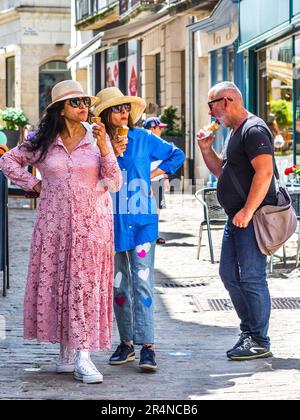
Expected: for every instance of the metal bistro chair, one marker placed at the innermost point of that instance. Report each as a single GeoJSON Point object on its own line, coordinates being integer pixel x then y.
{"type": "Point", "coordinates": [214, 215]}
{"type": "Point", "coordinates": [295, 196]}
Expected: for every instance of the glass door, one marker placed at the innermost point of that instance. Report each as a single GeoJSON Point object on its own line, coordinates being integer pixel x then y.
{"type": "Point", "coordinates": [275, 95]}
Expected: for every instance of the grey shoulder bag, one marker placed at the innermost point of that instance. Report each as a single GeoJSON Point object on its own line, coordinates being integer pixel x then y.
{"type": "Point", "coordinates": [273, 224]}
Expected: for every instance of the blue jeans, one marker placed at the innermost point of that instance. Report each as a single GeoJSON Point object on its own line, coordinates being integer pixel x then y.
{"type": "Point", "coordinates": [133, 293]}
{"type": "Point", "coordinates": [243, 272]}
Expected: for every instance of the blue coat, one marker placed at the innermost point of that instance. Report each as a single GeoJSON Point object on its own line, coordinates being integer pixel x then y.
{"type": "Point", "coordinates": [135, 212]}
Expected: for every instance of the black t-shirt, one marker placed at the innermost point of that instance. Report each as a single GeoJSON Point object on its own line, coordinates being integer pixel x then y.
{"type": "Point", "coordinates": [250, 140]}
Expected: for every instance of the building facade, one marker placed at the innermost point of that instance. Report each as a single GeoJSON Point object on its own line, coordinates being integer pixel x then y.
{"type": "Point", "coordinates": [214, 58]}
{"type": "Point", "coordinates": [270, 43]}
{"type": "Point", "coordinates": [140, 46]}
{"type": "Point", "coordinates": [34, 45]}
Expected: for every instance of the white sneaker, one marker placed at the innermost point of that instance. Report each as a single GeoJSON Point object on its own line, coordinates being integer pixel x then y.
{"type": "Point", "coordinates": [86, 371]}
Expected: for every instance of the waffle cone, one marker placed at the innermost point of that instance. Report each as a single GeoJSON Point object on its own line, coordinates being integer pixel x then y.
{"type": "Point", "coordinates": [96, 119]}
{"type": "Point", "coordinates": [122, 131]}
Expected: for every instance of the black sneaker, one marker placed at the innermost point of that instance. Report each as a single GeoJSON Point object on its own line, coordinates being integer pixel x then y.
{"type": "Point", "coordinates": [147, 359]}
{"type": "Point", "coordinates": [248, 350]}
{"type": "Point", "coordinates": [240, 341]}
{"type": "Point", "coordinates": [123, 354]}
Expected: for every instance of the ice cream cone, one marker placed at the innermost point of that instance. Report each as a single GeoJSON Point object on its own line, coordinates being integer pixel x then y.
{"type": "Point", "coordinates": [96, 120]}
{"type": "Point", "coordinates": [122, 131]}
{"type": "Point", "coordinates": [213, 127]}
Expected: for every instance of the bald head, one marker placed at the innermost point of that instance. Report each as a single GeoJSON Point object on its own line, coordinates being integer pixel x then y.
{"type": "Point", "coordinates": [226, 89]}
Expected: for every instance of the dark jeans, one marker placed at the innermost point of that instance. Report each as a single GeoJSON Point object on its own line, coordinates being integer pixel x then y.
{"type": "Point", "coordinates": [243, 272]}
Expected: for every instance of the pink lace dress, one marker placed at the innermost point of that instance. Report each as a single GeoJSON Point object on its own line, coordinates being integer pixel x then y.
{"type": "Point", "coordinates": [69, 291]}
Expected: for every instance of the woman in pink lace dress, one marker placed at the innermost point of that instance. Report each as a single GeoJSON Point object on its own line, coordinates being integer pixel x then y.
{"type": "Point", "coordinates": [69, 290]}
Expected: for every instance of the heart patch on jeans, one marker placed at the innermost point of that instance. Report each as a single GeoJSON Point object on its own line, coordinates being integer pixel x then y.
{"type": "Point", "coordinates": [118, 279]}
{"type": "Point", "coordinates": [143, 249]}
{"type": "Point", "coordinates": [120, 301]}
{"type": "Point", "coordinates": [144, 274]}
{"type": "Point", "coordinates": [147, 302]}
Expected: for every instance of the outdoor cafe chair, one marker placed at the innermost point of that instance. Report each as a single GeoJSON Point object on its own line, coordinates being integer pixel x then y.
{"type": "Point", "coordinates": [213, 216]}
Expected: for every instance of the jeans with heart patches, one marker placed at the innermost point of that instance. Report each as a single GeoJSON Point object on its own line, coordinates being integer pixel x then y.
{"type": "Point", "coordinates": [133, 293]}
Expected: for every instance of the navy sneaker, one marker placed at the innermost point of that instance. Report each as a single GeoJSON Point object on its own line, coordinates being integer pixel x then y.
{"type": "Point", "coordinates": [249, 350]}
{"type": "Point", "coordinates": [240, 341]}
{"type": "Point", "coordinates": [123, 354]}
{"type": "Point", "coordinates": [147, 359]}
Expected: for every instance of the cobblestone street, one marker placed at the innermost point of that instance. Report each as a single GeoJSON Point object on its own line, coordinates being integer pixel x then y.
{"type": "Point", "coordinates": [191, 338]}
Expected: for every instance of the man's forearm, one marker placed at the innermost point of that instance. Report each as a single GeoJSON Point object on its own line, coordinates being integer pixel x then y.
{"type": "Point", "coordinates": [213, 162]}
{"type": "Point", "coordinates": [258, 191]}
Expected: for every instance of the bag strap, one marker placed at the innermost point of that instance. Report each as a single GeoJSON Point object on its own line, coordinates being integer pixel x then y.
{"type": "Point", "coordinates": [233, 176]}
{"type": "Point", "coordinates": [266, 130]}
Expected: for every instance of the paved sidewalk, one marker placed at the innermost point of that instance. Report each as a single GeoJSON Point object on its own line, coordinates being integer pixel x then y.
{"type": "Point", "coordinates": [191, 338]}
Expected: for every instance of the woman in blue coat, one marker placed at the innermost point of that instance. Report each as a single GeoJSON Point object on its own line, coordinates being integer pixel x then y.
{"type": "Point", "coordinates": [135, 222]}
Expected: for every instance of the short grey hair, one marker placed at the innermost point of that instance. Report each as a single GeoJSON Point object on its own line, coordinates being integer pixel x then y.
{"type": "Point", "coordinates": [228, 88]}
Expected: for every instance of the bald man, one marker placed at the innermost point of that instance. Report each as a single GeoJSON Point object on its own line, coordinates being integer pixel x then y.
{"type": "Point", "coordinates": [248, 159]}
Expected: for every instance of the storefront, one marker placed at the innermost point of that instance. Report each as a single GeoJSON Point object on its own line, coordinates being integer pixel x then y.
{"type": "Point", "coordinates": [270, 42]}
{"type": "Point", "coordinates": [122, 67]}
{"type": "Point", "coordinates": [215, 44]}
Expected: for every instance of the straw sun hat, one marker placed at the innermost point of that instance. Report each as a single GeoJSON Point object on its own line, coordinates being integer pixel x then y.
{"type": "Point", "coordinates": [113, 96]}
{"type": "Point", "coordinates": [68, 89]}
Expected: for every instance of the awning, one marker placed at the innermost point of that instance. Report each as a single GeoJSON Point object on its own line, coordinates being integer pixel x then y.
{"type": "Point", "coordinates": [223, 15]}
{"type": "Point", "coordinates": [87, 49]}
{"type": "Point", "coordinates": [119, 34]}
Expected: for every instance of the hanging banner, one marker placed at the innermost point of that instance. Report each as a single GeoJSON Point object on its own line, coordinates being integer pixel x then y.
{"type": "Point", "coordinates": [112, 74]}
{"type": "Point", "coordinates": [132, 78]}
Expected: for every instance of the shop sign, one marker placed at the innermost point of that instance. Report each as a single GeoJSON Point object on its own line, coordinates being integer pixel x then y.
{"type": "Point", "coordinates": [223, 38]}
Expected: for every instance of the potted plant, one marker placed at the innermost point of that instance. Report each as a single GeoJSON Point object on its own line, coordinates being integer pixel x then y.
{"type": "Point", "coordinates": [173, 134]}
{"type": "Point", "coordinates": [13, 118]}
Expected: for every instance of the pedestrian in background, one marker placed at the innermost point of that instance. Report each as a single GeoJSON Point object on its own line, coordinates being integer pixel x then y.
{"type": "Point", "coordinates": [248, 156]}
{"type": "Point", "coordinates": [69, 292]}
{"type": "Point", "coordinates": [160, 184]}
{"type": "Point", "coordinates": [135, 222]}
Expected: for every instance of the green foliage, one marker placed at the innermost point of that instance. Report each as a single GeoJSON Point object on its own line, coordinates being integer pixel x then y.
{"type": "Point", "coordinates": [170, 117]}
{"type": "Point", "coordinates": [13, 118]}
{"type": "Point", "coordinates": [283, 112]}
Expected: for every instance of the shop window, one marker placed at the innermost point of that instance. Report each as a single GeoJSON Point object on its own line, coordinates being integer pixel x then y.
{"type": "Point", "coordinates": [112, 67]}
{"type": "Point", "coordinates": [50, 74]}
{"type": "Point", "coordinates": [219, 66]}
{"type": "Point", "coordinates": [276, 94]}
{"type": "Point", "coordinates": [230, 64]}
{"type": "Point", "coordinates": [10, 81]}
{"type": "Point", "coordinates": [296, 7]}
{"type": "Point", "coordinates": [297, 95]}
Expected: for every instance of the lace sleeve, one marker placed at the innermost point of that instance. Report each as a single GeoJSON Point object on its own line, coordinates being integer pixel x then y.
{"type": "Point", "coordinates": [13, 165]}
{"type": "Point", "coordinates": [110, 174]}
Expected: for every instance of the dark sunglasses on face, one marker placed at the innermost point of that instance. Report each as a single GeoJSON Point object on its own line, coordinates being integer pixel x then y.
{"type": "Point", "coordinates": [117, 109]}
{"type": "Point", "coordinates": [210, 103]}
{"type": "Point", "coordinates": [75, 102]}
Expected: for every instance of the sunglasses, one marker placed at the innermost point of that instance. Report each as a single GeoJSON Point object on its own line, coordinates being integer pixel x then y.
{"type": "Point", "coordinates": [117, 109]}
{"type": "Point", "coordinates": [210, 103]}
{"type": "Point", "coordinates": [75, 102]}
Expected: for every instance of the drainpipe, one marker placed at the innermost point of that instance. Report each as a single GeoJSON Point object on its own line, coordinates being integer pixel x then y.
{"type": "Point", "coordinates": [191, 160]}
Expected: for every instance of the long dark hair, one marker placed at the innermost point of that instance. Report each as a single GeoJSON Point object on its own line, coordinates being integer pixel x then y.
{"type": "Point", "coordinates": [51, 124]}
{"type": "Point", "coordinates": [109, 127]}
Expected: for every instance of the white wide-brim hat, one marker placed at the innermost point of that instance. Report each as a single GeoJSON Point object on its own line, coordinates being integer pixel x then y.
{"type": "Point", "coordinates": [112, 96]}
{"type": "Point", "coordinates": [68, 89]}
